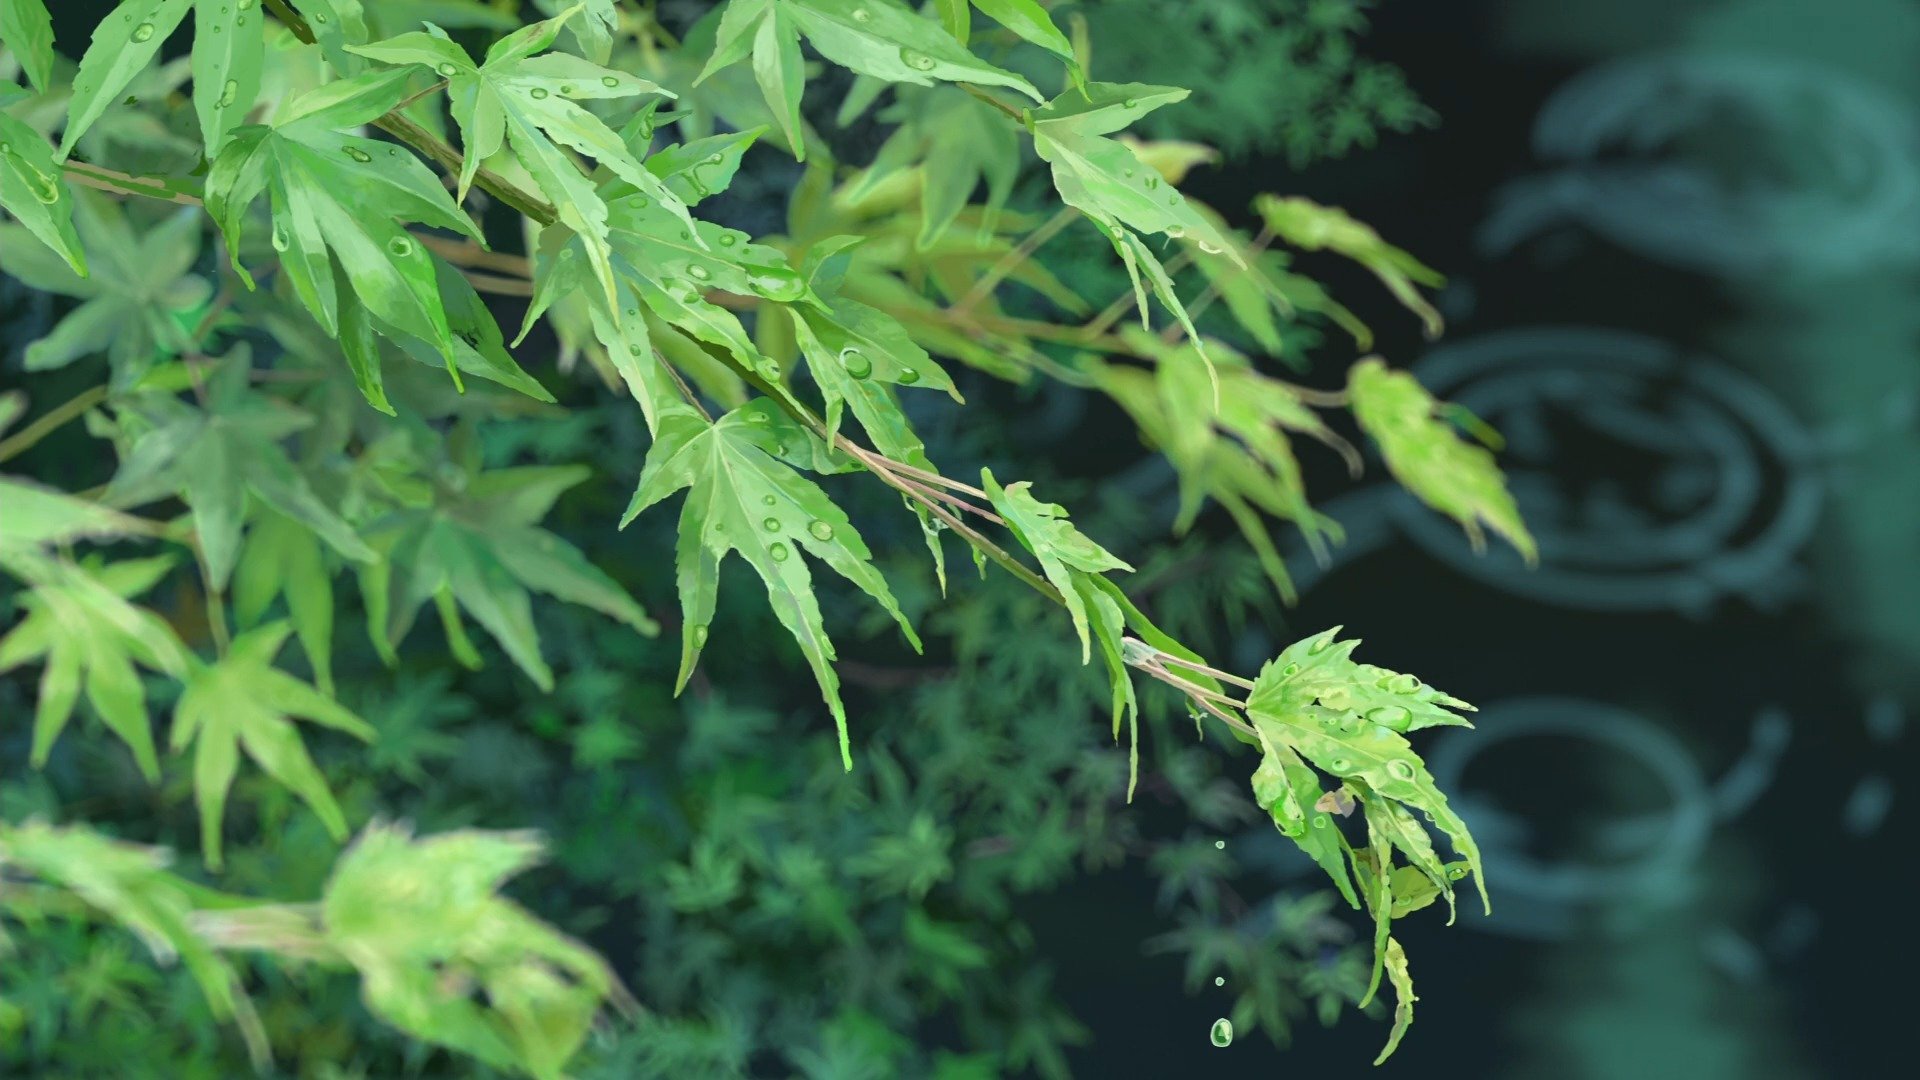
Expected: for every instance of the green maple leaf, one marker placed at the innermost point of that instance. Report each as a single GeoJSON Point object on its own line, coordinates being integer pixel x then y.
{"type": "Point", "coordinates": [241, 702]}
{"type": "Point", "coordinates": [742, 498]}
{"type": "Point", "coordinates": [79, 623]}
{"type": "Point", "coordinates": [1124, 196]}
{"type": "Point", "coordinates": [878, 38]}
{"type": "Point", "coordinates": [479, 547]}
{"type": "Point", "coordinates": [423, 919]}
{"type": "Point", "coordinates": [131, 299]}
{"type": "Point", "coordinates": [1062, 549]}
{"type": "Point", "coordinates": [27, 31]}
{"type": "Point", "coordinates": [1312, 227]}
{"type": "Point", "coordinates": [34, 192]}
{"type": "Point", "coordinates": [1236, 450]}
{"type": "Point", "coordinates": [228, 49]}
{"type": "Point", "coordinates": [526, 103]}
{"type": "Point", "coordinates": [1426, 455]}
{"type": "Point", "coordinates": [340, 199]}
{"type": "Point", "coordinates": [219, 456]}
{"type": "Point", "coordinates": [1346, 719]}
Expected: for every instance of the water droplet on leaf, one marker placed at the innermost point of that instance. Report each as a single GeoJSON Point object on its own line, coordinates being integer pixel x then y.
{"type": "Point", "coordinates": [856, 362]}
{"type": "Point", "coordinates": [1400, 770]}
{"type": "Point", "coordinates": [907, 377]}
{"type": "Point", "coordinates": [778, 551]}
{"type": "Point", "coordinates": [227, 93]}
{"type": "Point", "coordinates": [1388, 715]}
{"type": "Point", "coordinates": [400, 246]}
{"type": "Point", "coordinates": [143, 32]}
{"type": "Point", "coordinates": [699, 636]}
{"type": "Point", "coordinates": [820, 530]}
{"type": "Point", "coordinates": [609, 81]}
{"type": "Point", "coordinates": [537, 93]}
{"type": "Point", "coordinates": [777, 283]}
{"type": "Point", "coordinates": [357, 154]}
{"type": "Point", "coordinates": [699, 273]}
{"type": "Point", "coordinates": [445, 69]}
{"type": "Point", "coordinates": [1404, 684]}
{"type": "Point", "coordinates": [918, 61]}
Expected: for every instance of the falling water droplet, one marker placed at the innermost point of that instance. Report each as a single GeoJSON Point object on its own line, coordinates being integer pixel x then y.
{"type": "Point", "coordinates": [820, 530]}
{"type": "Point", "coordinates": [778, 551]}
{"type": "Point", "coordinates": [856, 362]}
{"type": "Point", "coordinates": [1219, 981]}
{"type": "Point", "coordinates": [143, 32]}
{"type": "Point", "coordinates": [1222, 1033]}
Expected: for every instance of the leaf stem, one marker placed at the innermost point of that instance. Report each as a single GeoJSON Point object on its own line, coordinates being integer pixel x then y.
{"type": "Point", "coordinates": [70, 409]}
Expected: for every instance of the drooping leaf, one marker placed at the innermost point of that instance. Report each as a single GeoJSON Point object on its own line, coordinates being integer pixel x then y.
{"type": "Point", "coordinates": [1429, 457]}
{"type": "Point", "coordinates": [1062, 549]}
{"type": "Point", "coordinates": [742, 498]}
{"type": "Point", "coordinates": [1235, 451]}
{"type": "Point", "coordinates": [242, 702]}
{"type": "Point", "coordinates": [34, 193]}
{"type": "Point", "coordinates": [1325, 720]}
{"type": "Point", "coordinates": [80, 625]}
{"type": "Point", "coordinates": [1402, 979]}
{"type": "Point", "coordinates": [1311, 227]}
{"type": "Point", "coordinates": [877, 38]}
{"type": "Point", "coordinates": [341, 199]}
